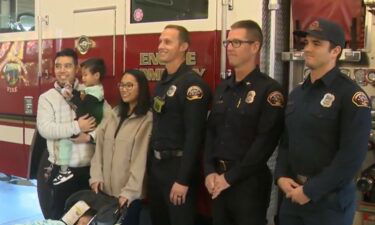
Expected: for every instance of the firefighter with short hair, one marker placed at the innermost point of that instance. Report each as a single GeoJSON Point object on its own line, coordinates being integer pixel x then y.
{"type": "Point", "coordinates": [180, 106]}
{"type": "Point", "coordinates": [328, 123]}
{"type": "Point", "coordinates": [242, 132]}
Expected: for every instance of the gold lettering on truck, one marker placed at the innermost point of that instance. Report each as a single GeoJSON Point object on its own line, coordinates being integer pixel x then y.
{"type": "Point", "coordinates": [154, 74]}
{"type": "Point", "coordinates": [152, 59]}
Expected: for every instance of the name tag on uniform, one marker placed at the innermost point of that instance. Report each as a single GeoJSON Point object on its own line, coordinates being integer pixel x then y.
{"type": "Point", "coordinates": [158, 104]}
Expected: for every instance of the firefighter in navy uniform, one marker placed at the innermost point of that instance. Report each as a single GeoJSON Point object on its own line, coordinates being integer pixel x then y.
{"type": "Point", "coordinates": [180, 107]}
{"type": "Point", "coordinates": [243, 130]}
{"type": "Point", "coordinates": [327, 128]}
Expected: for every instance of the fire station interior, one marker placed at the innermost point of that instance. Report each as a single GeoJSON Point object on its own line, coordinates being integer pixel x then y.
{"type": "Point", "coordinates": [19, 202]}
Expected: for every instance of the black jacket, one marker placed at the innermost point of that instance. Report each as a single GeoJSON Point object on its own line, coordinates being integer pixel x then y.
{"type": "Point", "coordinates": [327, 129]}
{"type": "Point", "coordinates": [181, 123]}
{"type": "Point", "coordinates": [244, 125]}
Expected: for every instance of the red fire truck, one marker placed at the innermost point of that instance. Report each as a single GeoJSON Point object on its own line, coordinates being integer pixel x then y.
{"type": "Point", "coordinates": [125, 34]}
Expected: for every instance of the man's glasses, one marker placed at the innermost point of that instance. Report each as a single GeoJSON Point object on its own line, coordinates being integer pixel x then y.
{"type": "Point", "coordinates": [236, 43]}
{"type": "Point", "coordinates": [128, 86]}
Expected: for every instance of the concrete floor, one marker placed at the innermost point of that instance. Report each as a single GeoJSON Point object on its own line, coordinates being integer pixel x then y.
{"type": "Point", "coordinates": [18, 201]}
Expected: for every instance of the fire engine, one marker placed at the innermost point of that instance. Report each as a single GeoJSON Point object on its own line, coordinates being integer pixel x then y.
{"type": "Point", "coordinates": [125, 34]}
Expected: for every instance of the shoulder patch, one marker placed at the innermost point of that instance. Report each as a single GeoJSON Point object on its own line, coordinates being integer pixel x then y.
{"type": "Point", "coordinates": [360, 99]}
{"type": "Point", "coordinates": [275, 98]}
{"type": "Point", "coordinates": [194, 92]}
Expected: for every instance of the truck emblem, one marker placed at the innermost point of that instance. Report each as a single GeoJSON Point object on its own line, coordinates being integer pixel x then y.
{"type": "Point", "coordinates": [138, 15]}
{"type": "Point", "coordinates": [83, 44]}
{"type": "Point", "coordinates": [11, 73]}
{"type": "Point", "coordinates": [12, 68]}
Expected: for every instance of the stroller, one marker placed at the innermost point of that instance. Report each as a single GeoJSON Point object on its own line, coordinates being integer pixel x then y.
{"type": "Point", "coordinates": [101, 208]}
{"type": "Point", "coordinates": [88, 208]}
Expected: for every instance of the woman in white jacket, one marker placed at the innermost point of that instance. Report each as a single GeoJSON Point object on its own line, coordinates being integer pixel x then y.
{"type": "Point", "coordinates": [119, 161]}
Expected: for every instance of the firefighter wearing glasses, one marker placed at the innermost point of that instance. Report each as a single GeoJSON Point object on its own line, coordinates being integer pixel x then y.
{"type": "Point", "coordinates": [242, 132]}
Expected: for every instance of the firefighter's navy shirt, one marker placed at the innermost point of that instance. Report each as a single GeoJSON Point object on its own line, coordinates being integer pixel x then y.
{"type": "Point", "coordinates": [327, 129]}
{"type": "Point", "coordinates": [244, 125]}
{"type": "Point", "coordinates": [180, 124]}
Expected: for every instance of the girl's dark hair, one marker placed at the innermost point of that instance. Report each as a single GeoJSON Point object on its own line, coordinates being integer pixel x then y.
{"type": "Point", "coordinates": [144, 101]}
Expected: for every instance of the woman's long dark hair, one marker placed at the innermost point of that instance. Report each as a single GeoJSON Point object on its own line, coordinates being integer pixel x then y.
{"type": "Point", "coordinates": [143, 101]}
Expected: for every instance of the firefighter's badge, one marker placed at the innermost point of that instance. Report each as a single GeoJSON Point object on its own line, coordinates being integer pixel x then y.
{"type": "Point", "coordinates": [171, 90]}
{"type": "Point", "coordinates": [327, 100]}
{"type": "Point", "coordinates": [250, 97]}
{"type": "Point", "coordinates": [360, 99]}
{"type": "Point", "coordinates": [275, 98]}
{"type": "Point", "coordinates": [194, 92]}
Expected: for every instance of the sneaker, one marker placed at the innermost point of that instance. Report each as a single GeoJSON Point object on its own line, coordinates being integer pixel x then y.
{"type": "Point", "coordinates": [62, 177]}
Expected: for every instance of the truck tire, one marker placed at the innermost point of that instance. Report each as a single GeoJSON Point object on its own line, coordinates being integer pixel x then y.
{"type": "Point", "coordinates": [44, 190]}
